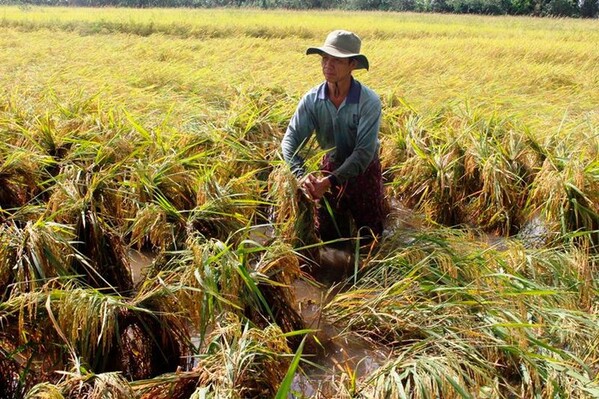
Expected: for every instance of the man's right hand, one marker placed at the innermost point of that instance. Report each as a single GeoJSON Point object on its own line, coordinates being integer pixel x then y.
{"type": "Point", "coordinates": [315, 187]}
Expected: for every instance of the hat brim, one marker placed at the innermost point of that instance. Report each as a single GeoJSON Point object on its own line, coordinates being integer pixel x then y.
{"type": "Point", "coordinates": [332, 51]}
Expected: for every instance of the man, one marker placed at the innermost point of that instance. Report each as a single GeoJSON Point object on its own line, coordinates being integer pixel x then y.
{"type": "Point", "coordinates": [345, 116]}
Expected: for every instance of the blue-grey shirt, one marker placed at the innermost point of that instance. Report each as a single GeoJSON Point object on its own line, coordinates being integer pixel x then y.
{"type": "Point", "coordinates": [350, 133]}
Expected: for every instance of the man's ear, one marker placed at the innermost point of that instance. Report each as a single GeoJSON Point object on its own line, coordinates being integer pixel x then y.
{"type": "Point", "coordinates": [353, 63]}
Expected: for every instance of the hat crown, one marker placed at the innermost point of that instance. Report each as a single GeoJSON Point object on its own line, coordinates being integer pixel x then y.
{"type": "Point", "coordinates": [342, 40]}
{"type": "Point", "coordinates": [342, 44]}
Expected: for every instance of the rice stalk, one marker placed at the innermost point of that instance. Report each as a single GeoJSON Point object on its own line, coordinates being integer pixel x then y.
{"type": "Point", "coordinates": [152, 228]}
{"type": "Point", "coordinates": [464, 167]}
{"type": "Point", "coordinates": [102, 332]}
{"type": "Point", "coordinates": [238, 361]}
{"type": "Point", "coordinates": [276, 270]}
{"type": "Point", "coordinates": [202, 281]}
{"type": "Point", "coordinates": [243, 361]}
{"type": "Point", "coordinates": [21, 175]}
{"type": "Point", "coordinates": [429, 369]}
{"type": "Point", "coordinates": [223, 208]}
{"type": "Point", "coordinates": [507, 317]}
{"type": "Point", "coordinates": [164, 179]}
{"type": "Point", "coordinates": [104, 262]}
{"type": "Point", "coordinates": [428, 177]}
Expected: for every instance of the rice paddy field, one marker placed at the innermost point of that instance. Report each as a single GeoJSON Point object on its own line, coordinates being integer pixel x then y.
{"type": "Point", "coordinates": [153, 244]}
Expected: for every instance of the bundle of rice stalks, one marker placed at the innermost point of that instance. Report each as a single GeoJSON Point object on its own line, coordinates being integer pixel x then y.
{"type": "Point", "coordinates": [238, 361]}
{"type": "Point", "coordinates": [293, 213]}
{"type": "Point", "coordinates": [105, 262]}
{"type": "Point", "coordinates": [216, 271]}
{"type": "Point", "coordinates": [82, 200]}
{"type": "Point", "coordinates": [27, 338]}
{"type": "Point", "coordinates": [465, 169]}
{"type": "Point", "coordinates": [198, 283]}
{"type": "Point", "coordinates": [95, 331]}
{"type": "Point", "coordinates": [33, 255]}
{"type": "Point", "coordinates": [53, 137]}
{"type": "Point", "coordinates": [242, 361]}
{"type": "Point", "coordinates": [277, 269]}
{"type": "Point", "coordinates": [148, 344]}
{"type": "Point", "coordinates": [84, 386]}
{"type": "Point", "coordinates": [256, 121]}
{"type": "Point", "coordinates": [87, 321]}
{"type": "Point", "coordinates": [567, 194]}
{"type": "Point", "coordinates": [77, 188]}
{"type": "Point", "coordinates": [500, 164]}
{"type": "Point", "coordinates": [21, 177]}
{"type": "Point", "coordinates": [164, 180]}
{"type": "Point", "coordinates": [155, 227]}
{"type": "Point", "coordinates": [510, 316]}
{"type": "Point", "coordinates": [397, 114]}
{"type": "Point", "coordinates": [429, 177]}
{"type": "Point", "coordinates": [431, 368]}
{"type": "Point", "coordinates": [225, 208]}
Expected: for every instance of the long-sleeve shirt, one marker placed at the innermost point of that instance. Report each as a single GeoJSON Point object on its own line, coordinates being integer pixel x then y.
{"type": "Point", "coordinates": [349, 133]}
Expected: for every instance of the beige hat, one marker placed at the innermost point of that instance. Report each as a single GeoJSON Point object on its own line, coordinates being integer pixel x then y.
{"type": "Point", "coordinates": [342, 44]}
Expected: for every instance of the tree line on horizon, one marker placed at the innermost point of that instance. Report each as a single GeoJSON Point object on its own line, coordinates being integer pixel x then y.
{"type": "Point", "coordinates": [552, 8]}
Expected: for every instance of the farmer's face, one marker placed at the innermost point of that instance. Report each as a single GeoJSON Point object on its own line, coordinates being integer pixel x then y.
{"type": "Point", "coordinates": [336, 69]}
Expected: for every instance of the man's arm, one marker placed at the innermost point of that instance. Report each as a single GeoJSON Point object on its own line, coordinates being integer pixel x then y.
{"type": "Point", "coordinates": [298, 133]}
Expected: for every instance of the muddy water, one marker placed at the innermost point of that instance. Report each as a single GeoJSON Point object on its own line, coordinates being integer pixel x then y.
{"type": "Point", "coordinates": [333, 353]}
{"type": "Point", "coordinates": [139, 261]}
{"type": "Point", "coordinates": [339, 353]}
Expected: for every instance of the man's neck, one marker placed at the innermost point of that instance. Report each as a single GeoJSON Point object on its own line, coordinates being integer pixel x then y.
{"type": "Point", "coordinates": [338, 91]}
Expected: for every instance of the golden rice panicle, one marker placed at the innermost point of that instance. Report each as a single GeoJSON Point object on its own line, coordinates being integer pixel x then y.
{"type": "Point", "coordinates": [293, 212]}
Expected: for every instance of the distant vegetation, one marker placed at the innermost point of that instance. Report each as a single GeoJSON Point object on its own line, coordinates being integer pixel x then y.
{"type": "Point", "coordinates": [558, 8]}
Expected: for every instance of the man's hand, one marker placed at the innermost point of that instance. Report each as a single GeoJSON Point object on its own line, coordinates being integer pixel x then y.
{"type": "Point", "coordinates": [315, 187]}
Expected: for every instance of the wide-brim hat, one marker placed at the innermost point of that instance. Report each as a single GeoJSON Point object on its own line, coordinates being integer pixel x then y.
{"type": "Point", "coordinates": [342, 44]}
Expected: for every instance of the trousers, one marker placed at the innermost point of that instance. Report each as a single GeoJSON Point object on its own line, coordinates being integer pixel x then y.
{"type": "Point", "coordinates": [356, 207]}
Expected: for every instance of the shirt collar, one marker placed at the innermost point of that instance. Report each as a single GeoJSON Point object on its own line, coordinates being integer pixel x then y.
{"type": "Point", "coordinates": [353, 97]}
